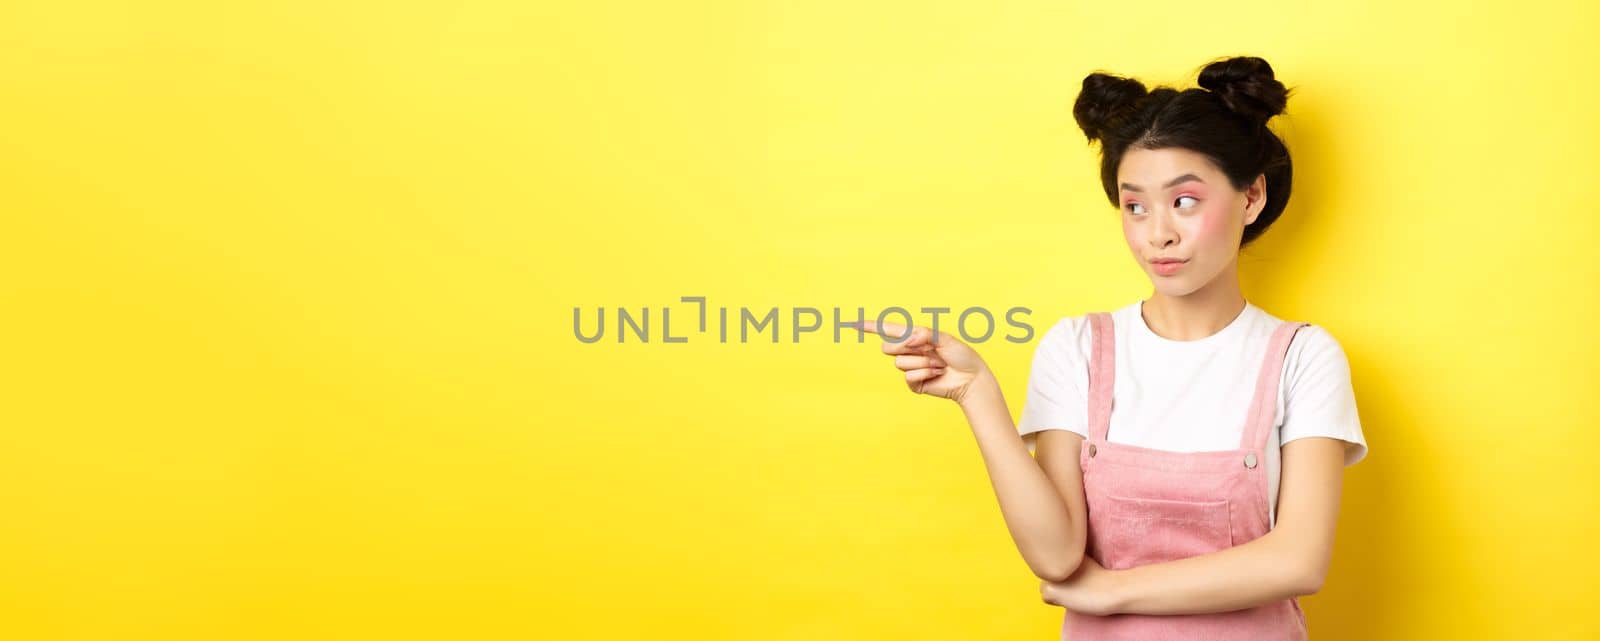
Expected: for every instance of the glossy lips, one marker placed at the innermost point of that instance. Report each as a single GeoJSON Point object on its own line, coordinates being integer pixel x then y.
{"type": "Point", "coordinates": [1168, 266]}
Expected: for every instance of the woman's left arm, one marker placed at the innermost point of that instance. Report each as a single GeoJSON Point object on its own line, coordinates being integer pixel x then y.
{"type": "Point", "coordinates": [1289, 560]}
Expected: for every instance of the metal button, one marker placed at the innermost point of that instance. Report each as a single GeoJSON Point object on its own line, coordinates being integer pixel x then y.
{"type": "Point", "coordinates": [1250, 460]}
{"type": "Point", "coordinates": [1091, 449]}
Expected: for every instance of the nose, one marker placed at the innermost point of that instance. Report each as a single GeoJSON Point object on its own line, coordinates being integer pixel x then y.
{"type": "Point", "coordinates": [1162, 232]}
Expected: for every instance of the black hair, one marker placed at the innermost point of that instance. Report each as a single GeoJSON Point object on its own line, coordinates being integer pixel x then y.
{"type": "Point", "coordinates": [1225, 120]}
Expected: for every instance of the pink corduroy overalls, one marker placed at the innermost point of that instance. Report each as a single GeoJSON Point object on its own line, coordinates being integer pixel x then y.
{"type": "Point", "coordinates": [1149, 506]}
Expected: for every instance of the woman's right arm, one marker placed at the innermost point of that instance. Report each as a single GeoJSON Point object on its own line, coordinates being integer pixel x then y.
{"type": "Point", "coordinates": [1041, 500]}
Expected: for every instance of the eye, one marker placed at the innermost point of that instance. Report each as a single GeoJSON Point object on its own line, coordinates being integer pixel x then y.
{"type": "Point", "coordinates": [1196, 200]}
{"type": "Point", "coordinates": [1129, 207]}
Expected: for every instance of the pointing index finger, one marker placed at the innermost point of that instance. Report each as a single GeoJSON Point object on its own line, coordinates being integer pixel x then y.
{"type": "Point", "coordinates": [892, 332]}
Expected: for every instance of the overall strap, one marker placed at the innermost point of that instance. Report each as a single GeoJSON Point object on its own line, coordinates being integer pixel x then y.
{"type": "Point", "coordinates": [1263, 408]}
{"type": "Point", "coordinates": [1102, 374]}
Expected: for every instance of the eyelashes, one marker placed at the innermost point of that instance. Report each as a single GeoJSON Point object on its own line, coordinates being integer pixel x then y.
{"type": "Point", "coordinates": [1129, 207]}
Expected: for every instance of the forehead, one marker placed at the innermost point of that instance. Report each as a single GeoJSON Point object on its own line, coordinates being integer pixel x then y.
{"type": "Point", "coordinates": [1150, 168]}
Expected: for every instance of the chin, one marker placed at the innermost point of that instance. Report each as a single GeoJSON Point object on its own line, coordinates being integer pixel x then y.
{"type": "Point", "coordinates": [1172, 287]}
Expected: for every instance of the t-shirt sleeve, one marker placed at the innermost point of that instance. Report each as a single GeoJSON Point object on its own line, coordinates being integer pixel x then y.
{"type": "Point", "coordinates": [1057, 383]}
{"type": "Point", "coordinates": [1319, 399]}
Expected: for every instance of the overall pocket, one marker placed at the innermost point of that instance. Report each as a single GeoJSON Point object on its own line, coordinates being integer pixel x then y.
{"type": "Point", "coordinates": [1137, 531]}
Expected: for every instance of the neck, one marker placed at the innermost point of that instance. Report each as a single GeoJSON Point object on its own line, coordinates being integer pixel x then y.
{"type": "Point", "coordinates": [1197, 314]}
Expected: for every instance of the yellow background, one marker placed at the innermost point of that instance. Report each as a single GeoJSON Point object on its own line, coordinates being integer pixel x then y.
{"type": "Point", "coordinates": [288, 287]}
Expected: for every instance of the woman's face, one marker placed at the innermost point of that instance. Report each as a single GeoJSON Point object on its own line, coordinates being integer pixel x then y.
{"type": "Point", "coordinates": [1177, 204]}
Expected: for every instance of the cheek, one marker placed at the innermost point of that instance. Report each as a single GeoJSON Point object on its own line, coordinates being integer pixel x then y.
{"type": "Point", "coordinates": [1214, 225]}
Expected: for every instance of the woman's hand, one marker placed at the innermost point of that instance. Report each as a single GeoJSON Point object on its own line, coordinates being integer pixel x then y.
{"type": "Point", "coordinates": [935, 364]}
{"type": "Point", "coordinates": [1092, 589]}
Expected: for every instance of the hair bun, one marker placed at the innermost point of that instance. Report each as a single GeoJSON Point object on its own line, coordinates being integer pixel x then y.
{"type": "Point", "coordinates": [1104, 98]}
{"type": "Point", "coordinates": [1246, 85]}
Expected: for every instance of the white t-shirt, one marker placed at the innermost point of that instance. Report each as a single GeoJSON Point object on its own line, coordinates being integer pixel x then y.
{"type": "Point", "coordinates": [1193, 396]}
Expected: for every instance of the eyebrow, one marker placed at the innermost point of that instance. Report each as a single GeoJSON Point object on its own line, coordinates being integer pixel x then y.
{"type": "Point", "coordinates": [1169, 185]}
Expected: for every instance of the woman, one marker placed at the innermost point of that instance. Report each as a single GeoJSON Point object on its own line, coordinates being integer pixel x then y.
{"type": "Point", "coordinates": [1142, 483]}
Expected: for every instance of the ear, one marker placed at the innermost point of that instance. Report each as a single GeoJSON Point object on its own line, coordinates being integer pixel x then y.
{"type": "Point", "coordinates": [1255, 199]}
